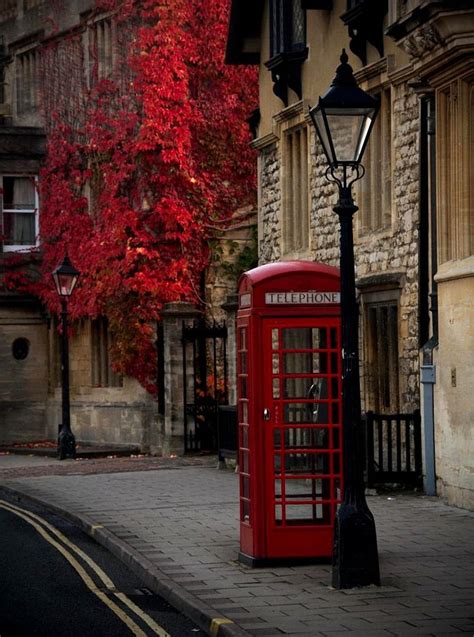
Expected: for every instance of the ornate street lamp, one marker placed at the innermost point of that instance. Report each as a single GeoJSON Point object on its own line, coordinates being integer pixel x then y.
{"type": "Point", "coordinates": [65, 278]}
{"type": "Point", "coordinates": [343, 119]}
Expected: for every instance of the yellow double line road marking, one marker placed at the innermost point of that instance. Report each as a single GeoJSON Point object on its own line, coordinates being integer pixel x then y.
{"type": "Point", "coordinates": [49, 532]}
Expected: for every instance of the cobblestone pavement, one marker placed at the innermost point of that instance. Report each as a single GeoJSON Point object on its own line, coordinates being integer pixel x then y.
{"type": "Point", "coordinates": [179, 524]}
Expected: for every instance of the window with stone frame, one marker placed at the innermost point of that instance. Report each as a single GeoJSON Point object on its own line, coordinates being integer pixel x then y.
{"type": "Point", "coordinates": [455, 169]}
{"type": "Point", "coordinates": [101, 369]}
{"type": "Point", "coordinates": [381, 352]}
{"type": "Point", "coordinates": [19, 212]}
{"type": "Point", "coordinates": [26, 71]}
{"type": "Point", "coordinates": [100, 49]}
{"type": "Point", "coordinates": [295, 209]}
{"type": "Point", "coordinates": [375, 189]}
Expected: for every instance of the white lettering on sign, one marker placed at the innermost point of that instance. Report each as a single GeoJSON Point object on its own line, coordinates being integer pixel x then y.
{"type": "Point", "coordinates": [302, 298]}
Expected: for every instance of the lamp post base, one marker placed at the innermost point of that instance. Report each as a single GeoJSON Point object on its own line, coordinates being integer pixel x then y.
{"type": "Point", "coordinates": [355, 556]}
{"type": "Point", "coordinates": [66, 444]}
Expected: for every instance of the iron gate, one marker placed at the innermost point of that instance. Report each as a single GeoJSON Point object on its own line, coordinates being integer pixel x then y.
{"type": "Point", "coordinates": [394, 449]}
{"type": "Point", "coordinates": [204, 383]}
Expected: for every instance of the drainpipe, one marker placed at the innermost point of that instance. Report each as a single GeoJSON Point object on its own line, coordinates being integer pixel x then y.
{"type": "Point", "coordinates": [428, 380]}
{"type": "Point", "coordinates": [428, 287]}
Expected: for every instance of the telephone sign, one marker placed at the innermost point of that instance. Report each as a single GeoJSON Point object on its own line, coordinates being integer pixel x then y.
{"type": "Point", "coordinates": [289, 410]}
{"type": "Point", "coordinates": [302, 298]}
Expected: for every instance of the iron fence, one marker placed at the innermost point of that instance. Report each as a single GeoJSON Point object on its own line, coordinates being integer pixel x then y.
{"type": "Point", "coordinates": [393, 445]}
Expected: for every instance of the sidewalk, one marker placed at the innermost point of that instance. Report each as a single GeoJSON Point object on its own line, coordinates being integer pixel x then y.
{"type": "Point", "coordinates": [177, 524]}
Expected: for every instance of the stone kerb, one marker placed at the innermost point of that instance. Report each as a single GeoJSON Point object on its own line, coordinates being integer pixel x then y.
{"type": "Point", "coordinates": [172, 427]}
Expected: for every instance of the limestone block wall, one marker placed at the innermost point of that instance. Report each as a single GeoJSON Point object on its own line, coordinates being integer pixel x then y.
{"type": "Point", "coordinates": [125, 415]}
{"type": "Point", "coordinates": [395, 250]}
{"type": "Point", "coordinates": [230, 307]}
{"type": "Point", "coordinates": [23, 382]}
{"type": "Point", "coordinates": [223, 272]}
{"type": "Point", "coordinates": [117, 416]}
{"type": "Point", "coordinates": [269, 231]}
{"type": "Point", "coordinates": [391, 250]}
{"type": "Point", "coordinates": [324, 223]}
{"type": "Point", "coordinates": [403, 253]}
{"type": "Point", "coordinates": [222, 277]}
{"type": "Point", "coordinates": [454, 406]}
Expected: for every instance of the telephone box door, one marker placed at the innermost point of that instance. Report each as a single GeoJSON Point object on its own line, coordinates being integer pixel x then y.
{"type": "Point", "coordinates": [301, 421]}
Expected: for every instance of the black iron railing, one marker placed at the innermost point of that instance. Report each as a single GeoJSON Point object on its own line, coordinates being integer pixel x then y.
{"type": "Point", "coordinates": [393, 444]}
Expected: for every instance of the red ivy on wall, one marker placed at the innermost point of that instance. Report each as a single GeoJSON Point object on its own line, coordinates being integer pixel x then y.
{"type": "Point", "coordinates": [140, 165]}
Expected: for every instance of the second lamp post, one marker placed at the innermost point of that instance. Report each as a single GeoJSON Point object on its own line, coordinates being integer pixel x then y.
{"type": "Point", "coordinates": [343, 119]}
{"type": "Point", "coordinates": [65, 278]}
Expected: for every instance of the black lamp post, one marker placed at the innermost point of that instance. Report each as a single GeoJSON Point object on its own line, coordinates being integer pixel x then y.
{"type": "Point", "coordinates": [65, 278]}
{"type": "Point", "coordinates": [343, 119]}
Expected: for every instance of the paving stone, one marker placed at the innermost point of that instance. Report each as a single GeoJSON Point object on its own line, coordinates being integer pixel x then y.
{"type": "Point", "coordinates": [267, 632]}
{"type": "Point", "coordinates": [294, 627]}
{"type": "Point", "coordinates": [185, 522]}
{"type": "Point", "coordinates": [358, 633]}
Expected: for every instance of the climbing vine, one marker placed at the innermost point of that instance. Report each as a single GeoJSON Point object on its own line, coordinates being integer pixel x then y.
{"type": "Point", "coordinates": [142, 163]}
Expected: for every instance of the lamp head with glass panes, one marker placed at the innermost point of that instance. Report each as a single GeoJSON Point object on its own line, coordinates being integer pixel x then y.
{"type": "Point", "coordinates": [343, 118]}
{"type": "Point", "coordinates": [65, 278]}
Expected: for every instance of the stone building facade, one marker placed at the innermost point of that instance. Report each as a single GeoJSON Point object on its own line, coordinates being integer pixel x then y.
{"type": "Point", "coordinates": [413, 259]}
{"type": "Point", "coordinates": [105, 408]}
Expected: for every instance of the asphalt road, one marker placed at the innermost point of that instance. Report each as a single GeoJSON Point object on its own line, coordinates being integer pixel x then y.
{"type": "Point", "coordinates": [55, 580]}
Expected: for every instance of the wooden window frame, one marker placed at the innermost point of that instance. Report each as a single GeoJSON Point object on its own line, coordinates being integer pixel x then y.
{"type": "Point", "coordinates": [34, 211]}
{"type": "Point", "coordinates": [381, 319]}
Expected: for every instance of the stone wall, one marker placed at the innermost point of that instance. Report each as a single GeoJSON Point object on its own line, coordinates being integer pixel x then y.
{"type": "Point", "coordinates": [401, 253]}
{"type": "Point", "coordinates": [23, 382]}
{"type": "Point", "coordinates": [226, 266]}
{"type": "Point", "coordinates": [323, 223]}
{"type": "Point", "coordinates": [269, 205]}
{"type": "Point", "coordinates": [125, 415]}
{"type": "Point", "coordinates": [393, 250]}
{"type": "Point", "coordinates": [396, 250]}
{"type": "Point", "coordinates": [234, 251]}
{"type": "Point", "coordinates": [454, 405]}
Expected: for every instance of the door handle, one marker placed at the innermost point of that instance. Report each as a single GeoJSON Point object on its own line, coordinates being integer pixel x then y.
{"type": "Point", "coordinates": [315, 392]}
{"type": "Point", "coordinates": [266, 414]}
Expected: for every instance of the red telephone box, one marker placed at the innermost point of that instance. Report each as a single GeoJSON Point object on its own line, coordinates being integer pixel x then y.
{"type": "Point", "coordinates": [289, 410]}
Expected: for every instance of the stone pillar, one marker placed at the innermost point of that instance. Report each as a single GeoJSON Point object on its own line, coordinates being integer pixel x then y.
{"type": "Point", "coordinates": [230, 307]}
{"type": "Point", "coordinates": [172, 434]}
